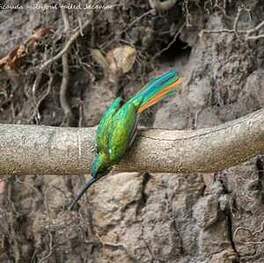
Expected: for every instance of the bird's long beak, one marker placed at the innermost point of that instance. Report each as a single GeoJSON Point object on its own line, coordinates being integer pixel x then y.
{"type": "Point", "coordinates": [86, 186]}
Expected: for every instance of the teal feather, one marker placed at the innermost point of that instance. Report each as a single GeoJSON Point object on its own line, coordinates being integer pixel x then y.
{"type": "Point", "coordinates": [154, 87]}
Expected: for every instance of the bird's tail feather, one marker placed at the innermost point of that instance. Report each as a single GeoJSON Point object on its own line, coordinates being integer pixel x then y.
{"type": "Point", "coordinates": [155, 90]}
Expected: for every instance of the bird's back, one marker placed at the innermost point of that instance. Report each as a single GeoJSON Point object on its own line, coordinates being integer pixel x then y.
{"type": "Point", "coordinates": [102, 136]}
{"type": "Point", "coordinates": [121, 131]}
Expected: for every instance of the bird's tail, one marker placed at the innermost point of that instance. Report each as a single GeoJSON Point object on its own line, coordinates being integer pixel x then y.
{"type": "Point", "coordinates": [155, 90]}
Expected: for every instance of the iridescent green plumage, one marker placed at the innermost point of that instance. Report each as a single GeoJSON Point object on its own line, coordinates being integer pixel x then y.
{"type": "Point", "coordinates": [117, 128]}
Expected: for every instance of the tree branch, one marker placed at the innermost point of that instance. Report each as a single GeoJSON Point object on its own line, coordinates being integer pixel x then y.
{"type": "Point", "coordinates": [29, 149]}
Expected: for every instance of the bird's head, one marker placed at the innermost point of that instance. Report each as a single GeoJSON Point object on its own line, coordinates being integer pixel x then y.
{"type": "Point", "coordinates": [100, 165]}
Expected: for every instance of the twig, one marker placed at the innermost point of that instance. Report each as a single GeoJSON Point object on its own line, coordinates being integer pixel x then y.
{"type": "Point", "coordinates": [63, 90]}
{"type": "Point", "coordinates": [35, 86]}
{"type": "Point", "coordinates": [80, 122]}
{"type": "Point", "coordinates": [217, 31]}
{"type": "Point", "coordinates": [80, 26]}
{"type": "Point", "coordinates": [171, 43]}
{"type": "Point", "coordinates": [65, 21]}
{"type": "Point", "coordinates": [139, 18]}
{"type": "Point", "coordinates": [237, 20]}
{"type": "Point", "coordinates": [111, 37]}
{"type": "Point", "coordinates": [251, 234]}
{"type": "Point", "coordinates": [16, 248]}
{"type": "Point", "coordinates": [187, 13]}
{"type": "Point", "coordinates": [253, 30]}
{"type": "Point", "coordinates": [65, 74]}
{"type": "Point", "coordinates": [66, 47]}
{"type": "Point", "coordinates": [235, 31]}
{"type": "Point", "coordinates": [50, 248]}
{"type": "Point", "coordinates": [255, 37]}
{"type": "Point", "coordinates": [43, 97]}
{"type": "Point", "coordinates": [257, 28]}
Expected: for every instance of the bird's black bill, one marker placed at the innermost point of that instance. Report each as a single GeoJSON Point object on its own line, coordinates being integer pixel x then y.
{"type": "Point", "coordinates": [86, 186]}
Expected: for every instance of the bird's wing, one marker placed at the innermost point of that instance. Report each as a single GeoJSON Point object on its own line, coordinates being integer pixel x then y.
{"type": "Point", "coordinates": [101, 132]}
{"type": "Point", "coordinates": [122, 131]}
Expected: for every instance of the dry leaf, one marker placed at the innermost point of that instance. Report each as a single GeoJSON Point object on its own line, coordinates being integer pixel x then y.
{"type": "Point", "coordinates": [121, 59]}
{"type": "Point", "coordinates": [11, 60]}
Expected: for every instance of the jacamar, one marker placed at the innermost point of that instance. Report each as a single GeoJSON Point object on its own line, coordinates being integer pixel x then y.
{"type": "Point", "coordinates": [118, 127]}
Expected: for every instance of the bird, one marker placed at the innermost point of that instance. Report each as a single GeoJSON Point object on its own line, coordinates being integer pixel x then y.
{"type": "Point", "coordinates": [117, 128]}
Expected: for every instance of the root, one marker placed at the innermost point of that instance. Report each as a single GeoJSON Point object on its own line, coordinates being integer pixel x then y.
{"type": "Point", "coordinates": [68, 115]}
{"type": "Point", "coordinates": [247, 33]}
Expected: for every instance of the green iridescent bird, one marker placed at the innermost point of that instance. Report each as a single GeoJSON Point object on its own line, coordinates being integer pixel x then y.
{"type": "Point", "coordinates": [118, 126]}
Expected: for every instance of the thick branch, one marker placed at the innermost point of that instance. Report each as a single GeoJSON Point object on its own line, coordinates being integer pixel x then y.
{"type": "Point", "coordinates": [52, 150]}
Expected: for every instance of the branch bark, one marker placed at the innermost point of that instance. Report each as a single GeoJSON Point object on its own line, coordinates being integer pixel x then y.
{"type": "Point", "coordinates": [43, 150]}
